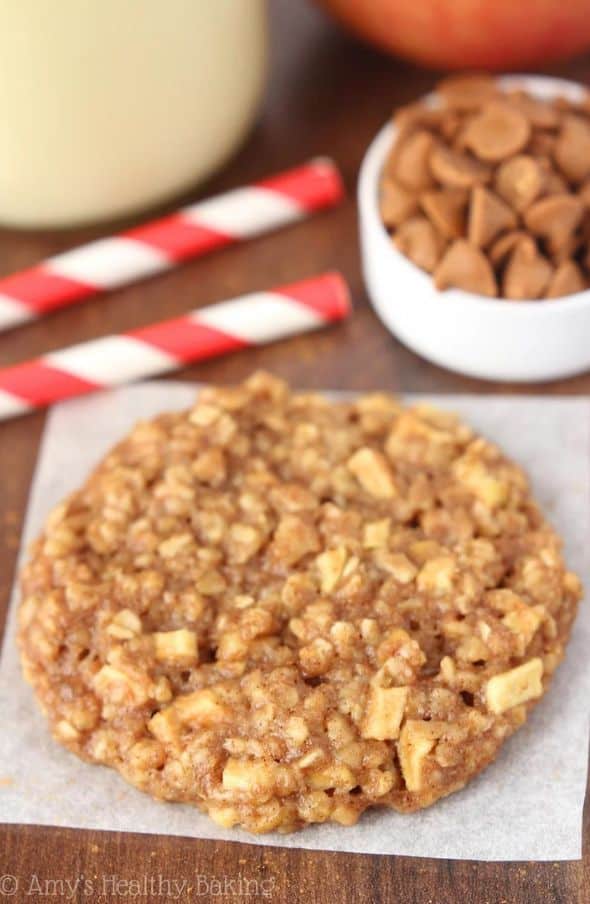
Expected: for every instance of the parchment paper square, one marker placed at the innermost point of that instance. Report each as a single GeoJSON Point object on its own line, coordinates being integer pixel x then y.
{"type": "Point", "coordinates": [526, 806]}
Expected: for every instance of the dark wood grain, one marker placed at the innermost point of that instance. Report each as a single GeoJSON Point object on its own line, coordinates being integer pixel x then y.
{"type": "Point", "coordinates": [327, 94]}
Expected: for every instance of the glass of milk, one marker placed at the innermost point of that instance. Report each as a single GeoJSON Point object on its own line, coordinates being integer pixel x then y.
{"type": "Point", "coordinates": [110, 106]}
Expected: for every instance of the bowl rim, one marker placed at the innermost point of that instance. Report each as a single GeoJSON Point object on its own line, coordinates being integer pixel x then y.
{"type": "Point", "coordinates": [368, 201]}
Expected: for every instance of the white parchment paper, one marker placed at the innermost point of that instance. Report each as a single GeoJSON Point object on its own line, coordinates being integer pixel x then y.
{"type": "Point", "coordinates": [526, 806]}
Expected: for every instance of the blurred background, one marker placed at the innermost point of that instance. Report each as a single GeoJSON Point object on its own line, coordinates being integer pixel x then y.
{"type": "Point", "coordinates": [122, 117]}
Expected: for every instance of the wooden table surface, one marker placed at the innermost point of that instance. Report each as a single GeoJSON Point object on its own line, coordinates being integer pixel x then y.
{"type": "Point", "coordinates": [326, 95]}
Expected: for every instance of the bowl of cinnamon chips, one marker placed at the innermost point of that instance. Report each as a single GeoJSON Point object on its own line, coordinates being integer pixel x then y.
{"type": "Point", "coordinates": [474, 208]}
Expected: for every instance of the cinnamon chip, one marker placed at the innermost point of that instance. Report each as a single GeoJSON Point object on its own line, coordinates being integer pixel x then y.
{"type": "Point", "coordinates": [467, 92]}
{"type": "Point", "coordinates": [418, 239]}
{"type": "Point", "coordinates": [396, 203]}
{"type": "Point", "coordinates": [489, 189]}
{"type": "Point", "coordinates": [527, 273]}
{"type": "Point", "coordinates": [505, 244]}
{"type": "Point", "coordinates": [566, 280]}
{"type": "Point", "coordinates": [554, 183]}
{"type": "Point", "coordinates": [488, 216]}
{"type": "Point", "coordinates": [572, 148]}
{"type": "Point", "coordinates": [497, 132]}
{"type": "Point", "coordinates": [450, 125]}
{"type": "Point", "coordinates": [542, 144]}
{"type": "Point", "coordinates": [416, 115]}
{"type": "Point", "coordinates": [555, 217]}
{"type": "Point", "coordinates": [519, 181]}
{"type": "Point", "coordinates": [411, 163]}
{"type": "Point", "coordinates": [446, 210]}
{"type": "Point", "coordinates": [465, 267]}
{"type": "Point", "coordinates": [457, 170]}
{"type": "Point", "coordinates": [540, 114]}
{"type": "Point", "coordinates": [562, 248]}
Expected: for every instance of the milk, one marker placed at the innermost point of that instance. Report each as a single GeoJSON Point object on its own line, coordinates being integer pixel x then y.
{"type": "Point", "coordinates": [109, 106]}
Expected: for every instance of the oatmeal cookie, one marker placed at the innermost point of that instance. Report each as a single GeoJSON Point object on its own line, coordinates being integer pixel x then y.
{"type": "Point", "coordinates": [285, 610]}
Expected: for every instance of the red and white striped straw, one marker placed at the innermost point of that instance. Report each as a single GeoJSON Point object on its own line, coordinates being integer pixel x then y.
{"type": "Point", "coordinates": [162, 244]}
{"type": "Point", "coordinates": [166, 346]}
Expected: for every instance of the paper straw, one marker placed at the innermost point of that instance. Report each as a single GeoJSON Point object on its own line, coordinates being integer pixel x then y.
{"type": "Point", "coordinates": [166, 346]}
{"type": "Point", "coordinates": [162, 244]}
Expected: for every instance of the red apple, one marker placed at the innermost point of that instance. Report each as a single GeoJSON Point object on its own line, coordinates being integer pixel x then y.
{"type": "Point", "coordinates": [455, 34]}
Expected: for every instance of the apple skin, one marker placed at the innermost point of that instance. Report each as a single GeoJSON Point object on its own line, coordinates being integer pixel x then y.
{"type": "Point", "coordinates": [456, 34]}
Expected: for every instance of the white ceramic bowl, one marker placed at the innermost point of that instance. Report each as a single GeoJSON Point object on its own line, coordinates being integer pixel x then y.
{"type": "Point", "coordinates": [474, 335]}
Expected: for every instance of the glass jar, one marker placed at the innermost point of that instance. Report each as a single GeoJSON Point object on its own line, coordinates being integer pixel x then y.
{"type": "Point", "coordinates": [110, 106]}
